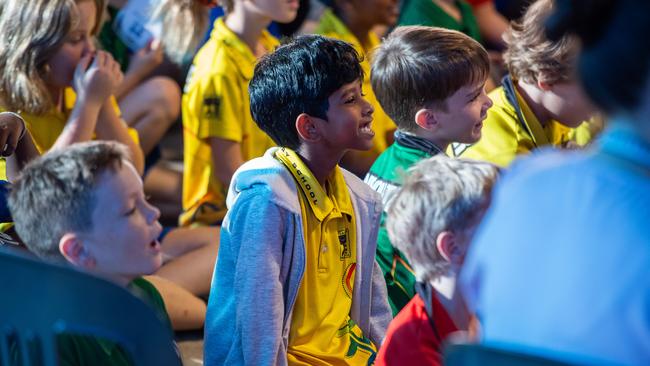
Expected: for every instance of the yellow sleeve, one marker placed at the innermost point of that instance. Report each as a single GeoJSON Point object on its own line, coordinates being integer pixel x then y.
{"type": "Point", "coordinates": [218, 108]}
{"type": "Point", "coordinates": [133, 133]}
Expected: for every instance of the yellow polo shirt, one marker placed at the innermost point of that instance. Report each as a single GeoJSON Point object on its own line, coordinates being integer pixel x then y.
{"type": "Point", "coordinates": [331, 26]}
{"type": "Point", "coordinates": [504, 136]}
{"type": "Point", "coordinates": [216, 104]}
{"type": "Point", "coordinates": [46, 128]}
{"type": "Point", "coordinates": [321, 331]}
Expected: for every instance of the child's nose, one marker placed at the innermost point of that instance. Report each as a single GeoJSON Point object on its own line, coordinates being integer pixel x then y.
{"type": "Point", "coordinates": [369, 108]}
{"type": "Point", "coordinates": [152, 212]}
{"type": "Point", "coordinates": [89, 46]}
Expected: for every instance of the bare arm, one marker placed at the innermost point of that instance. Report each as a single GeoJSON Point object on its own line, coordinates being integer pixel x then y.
{"type": "Point", "coordinates": [25, 152]}
{"type": "Point", "coordinates": [226, 158]}
{"type": "Point", "coordinates": [141, 65]}
{"type": "Point", "coordinates": [111, 127]}
{"type": "Point", "coordinates": [16, 144]}
{"type": "Point", "coordinates": [491, 23]}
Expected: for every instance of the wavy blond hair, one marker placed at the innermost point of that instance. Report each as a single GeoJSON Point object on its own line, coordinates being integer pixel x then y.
{"type": "Point", "coordinates": [184, 23]}
{"type": "Point", "coordinates": [531, 57]}
{"type": "Point", "coordinates": [32, 32]}
{"type": "Point", "coordinates": [439, 194]}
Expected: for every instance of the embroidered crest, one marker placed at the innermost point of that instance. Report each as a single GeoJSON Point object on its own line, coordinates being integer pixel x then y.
{"type": "Point", "coordinates": [211, 106]}
{"type": "Point", "coordinates": [344, 240]}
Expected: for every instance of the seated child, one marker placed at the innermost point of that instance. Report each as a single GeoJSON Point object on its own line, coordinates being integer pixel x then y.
{"type": "Point", "coordinates": [540, 102]}
{"type": "Point", "coordinates": [63, 88]}
{"type": "Point", "coordinates": [218, 132]}
{"type": "Point", "coordinates": [353, 21]}
{"type": "Point", "coordinates": [297, 282]}
{"type": "Point", "coordinates": [102, 224]}
{"type": "Point", "coordinates": [431, 82]}
{"type": "Point", "coordinates": [431, 220]}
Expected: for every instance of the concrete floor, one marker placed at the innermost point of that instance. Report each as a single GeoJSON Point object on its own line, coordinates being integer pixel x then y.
{"type": "Point", "coordinates": [191, 347]}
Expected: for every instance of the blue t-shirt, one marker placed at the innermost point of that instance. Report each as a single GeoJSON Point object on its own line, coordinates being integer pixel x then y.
{"type": "Point", "coordinates": [562, 260]}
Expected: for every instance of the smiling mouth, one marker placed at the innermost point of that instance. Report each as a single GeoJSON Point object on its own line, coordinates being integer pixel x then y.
{"type": "Point", "coordinates": [366, 128]}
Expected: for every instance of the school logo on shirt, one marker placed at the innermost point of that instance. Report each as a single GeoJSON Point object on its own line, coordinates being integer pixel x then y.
{"type": "Point", "coordinates": [348, 279]}
{"type": "Point", "coordinates": [344, 240]}
{"type": "Point", "coordinates": [211, 106]}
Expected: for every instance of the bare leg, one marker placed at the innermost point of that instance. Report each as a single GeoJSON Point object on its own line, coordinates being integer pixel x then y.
{"type": "Point", "coordinates": [151, 108]}
{"type": "Point", "coordinates": [185, 310]}
{"type": "Point", "coordinates": [192, 254]}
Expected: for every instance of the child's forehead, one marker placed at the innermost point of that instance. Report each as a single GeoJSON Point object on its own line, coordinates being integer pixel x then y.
{"type": "Point", "coordinates": [118, 182]}
{"type": "Point", "coordinates": [348, 87]}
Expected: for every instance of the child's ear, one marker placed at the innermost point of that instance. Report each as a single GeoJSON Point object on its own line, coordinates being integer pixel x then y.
{"type": "Point", "coordinates": [447, 246]}
{"type": "Point", "coordinates": [307, 128]}
{"type": "Point", "coordinates": [426, 119]}
{"type": "Point", "coordinates": [73, 250]}
{"type": "Point", "coordinates": [543, 85]}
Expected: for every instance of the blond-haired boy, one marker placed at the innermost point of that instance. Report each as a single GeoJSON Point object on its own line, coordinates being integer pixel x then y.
{"type": "Point", "coordinates": [432, 220]}
{"type": "Point", "coordinates": [540, 102]}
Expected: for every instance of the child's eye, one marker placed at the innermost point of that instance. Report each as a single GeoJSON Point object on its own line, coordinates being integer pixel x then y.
{"type": "Point", "coordinates": [350, 100]}
{"type": "Point", "coordinates": [130, 212]}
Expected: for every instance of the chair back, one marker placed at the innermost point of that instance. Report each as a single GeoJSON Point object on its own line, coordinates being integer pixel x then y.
{"type": "Point", "coordinates": [40, 301]}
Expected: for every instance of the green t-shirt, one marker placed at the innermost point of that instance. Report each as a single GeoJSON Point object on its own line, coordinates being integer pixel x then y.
{"type": "Point", "coordinates": [385, 176]}
{"type": "Point", "coordinates": [83, 350]}
{"type": "Point", "coordinates": [111, 43]}
{"type": "Point", "coordinates": [425, 12]}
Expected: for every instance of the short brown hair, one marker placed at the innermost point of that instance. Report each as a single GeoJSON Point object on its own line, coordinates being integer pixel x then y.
{"type": "Point", "coordinates": [65, 179]}
{"type": "Point", "coordinates": [418, 67]}
{"type": "Point", "coordinates": [531, 57]}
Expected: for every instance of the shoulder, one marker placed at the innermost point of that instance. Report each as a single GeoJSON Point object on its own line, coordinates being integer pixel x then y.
{"type": "Point", "coordinates": [502, 109]}
{"type": "Point", "coordinates": [148, 292]}
{"type": "Point", "coordinates": [360, 190]}
{"type": "Point", "coordinates": [267, 179]}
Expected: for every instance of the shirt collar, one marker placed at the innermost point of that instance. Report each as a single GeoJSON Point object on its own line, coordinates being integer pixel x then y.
{"type": "Point", "coordinates": [320, 202]}
{"type": "Point", "coordinates": [240, 53]}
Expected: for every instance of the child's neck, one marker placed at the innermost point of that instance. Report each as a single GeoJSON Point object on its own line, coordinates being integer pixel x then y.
{"type": "Point", "coordinates": [119, 280]}
{"type": "Point", "coordinates": [440, 143]}
{"type": "Point", "coordinates": [360, 30]}
{"type": "Point", "coordinates": [57, 98]}
{"type": "Point", "coordinates": [320, 163]}
{"type": "Point", "coordinates": [447, 293]}
{"type": "Point", "coordinates": [533, 96]}
{"type": "Point", "coordinates": [248, 27]}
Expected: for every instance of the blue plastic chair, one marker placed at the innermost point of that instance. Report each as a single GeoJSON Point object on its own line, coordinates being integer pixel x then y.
{"type": "Point", "coordinates": [40, 300]}
{"type": "Point", "coordinates": [460, 353]}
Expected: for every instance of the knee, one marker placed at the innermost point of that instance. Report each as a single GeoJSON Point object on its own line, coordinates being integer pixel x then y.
{"type": "Point", "coordinates": [167, 96]}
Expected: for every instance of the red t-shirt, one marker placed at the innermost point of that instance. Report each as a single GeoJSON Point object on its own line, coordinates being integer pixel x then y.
{"type": "Point", "coordinates": [476, 3]}
{"type": "Point", "coordinates": [410, 338]}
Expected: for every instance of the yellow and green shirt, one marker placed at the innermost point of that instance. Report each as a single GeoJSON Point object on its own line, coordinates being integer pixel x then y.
{"type": "Point", "coordinates": [321, 331]}
{"type": "Point", "coordinates": [331, 26]}
{"type": "Point", "coordinates": [216, 104]}
{"type": "Point", "coordinates": [505, 135]}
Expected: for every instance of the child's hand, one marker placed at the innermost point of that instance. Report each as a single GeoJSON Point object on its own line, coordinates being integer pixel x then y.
{"type": "Point", "coordinates": [146, 59]}
{"type": "Point", "coordinates": [12, 129]}
{"type": "Point", "coordinates": [98, 81]}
